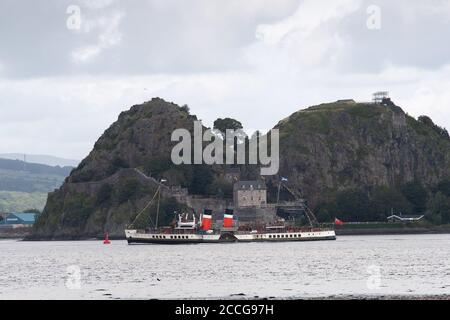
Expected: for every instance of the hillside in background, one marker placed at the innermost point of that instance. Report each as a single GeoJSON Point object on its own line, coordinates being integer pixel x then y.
{"type": "Point", "coordinates": [41, 159]}
{"type": "Point", "coordinates": [25, 185]}
{"type": "Point", "coordinates": [344, 157]}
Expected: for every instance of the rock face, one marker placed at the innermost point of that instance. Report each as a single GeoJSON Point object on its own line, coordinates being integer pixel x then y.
{"type": "Point", "coordinates": [346, 145]}
{"type": "Point", "coordinates": [109, 187]}
{"type": "Point", "coordinates": [327, 147]}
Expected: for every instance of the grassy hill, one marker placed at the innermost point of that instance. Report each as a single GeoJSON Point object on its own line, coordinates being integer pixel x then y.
{"type": "Point", "coordinates": [25, 185]}
{"type": "Point", "coordinates": [13, 201]}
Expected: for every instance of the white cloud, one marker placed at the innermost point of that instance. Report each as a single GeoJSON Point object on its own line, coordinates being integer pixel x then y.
{"type": "Point", "coordinates": [310, 15]}
{"type": "Point", "coordinates": [97, 4]}
{"type": "Point", "coordinates": [109, 35]}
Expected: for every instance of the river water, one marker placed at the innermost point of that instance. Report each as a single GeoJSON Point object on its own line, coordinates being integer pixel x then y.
{"type": "Point", "coordinates": [350, 266]}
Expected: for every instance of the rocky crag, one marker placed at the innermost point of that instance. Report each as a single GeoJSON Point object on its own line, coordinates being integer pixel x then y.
{"type": "Point", "coordinates": [324, 148]}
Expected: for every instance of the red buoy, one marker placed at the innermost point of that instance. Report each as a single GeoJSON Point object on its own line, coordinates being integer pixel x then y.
{"type": "Point", "coordinates": [106, 241]}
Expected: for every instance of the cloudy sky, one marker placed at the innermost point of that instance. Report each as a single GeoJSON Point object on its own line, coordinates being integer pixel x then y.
{"type": "Point", "coordinates": [69, 67]}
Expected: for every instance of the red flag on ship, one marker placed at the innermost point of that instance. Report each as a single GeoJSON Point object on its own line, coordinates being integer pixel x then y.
{"type": "Point", "coordinates": [338, 222]}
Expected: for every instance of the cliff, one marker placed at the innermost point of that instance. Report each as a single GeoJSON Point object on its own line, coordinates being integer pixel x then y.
{"type": "Point", "coordinates": [324, 148]}
{"type": "Point", "coordinates": [348, 145]}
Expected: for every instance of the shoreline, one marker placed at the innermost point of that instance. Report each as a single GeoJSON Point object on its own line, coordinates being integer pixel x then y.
{"type": "Point", "coordinates": [389, 231]}
{"type": "Point", "coordinates": [360, 230]}
{"type": "Point", "coordinates": [349, 232]}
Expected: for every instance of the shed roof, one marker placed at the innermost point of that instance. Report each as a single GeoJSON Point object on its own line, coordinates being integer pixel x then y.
{"type": "Point", "coordinates": [406, 217]}
{"type": "Point", "coordinates": [26, 217]}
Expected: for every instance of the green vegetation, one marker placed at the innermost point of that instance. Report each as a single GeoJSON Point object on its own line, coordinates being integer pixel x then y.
{"type": "Point", "coordinates": [156, 166]}
{"type": "Point", "coordinates": [417, 196]}
{"type": "Point", "coordinates": [429, 123]}
{"type": "Point", "coordinates": [379, 202]}
{"type": "Point", "coordinates": [13, 201]}
{"type": "Point", "coordinates": [23, 181]}
{"type": "Point", "coordinates": [104, 194]}
{"type": "Point", "coordinates": [128, 189]}
{"type": "Point", "coordinates": [366, 111]}
{"type": "Point", "coordinates": [227, 123]}
{"type": "Point", "coordinates": [438, 208]}
{"type": "Point", "coordinates": [77, 210]}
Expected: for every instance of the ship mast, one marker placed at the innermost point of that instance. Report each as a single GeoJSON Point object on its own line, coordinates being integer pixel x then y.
{"type": "Point", "coordinates": [157, 193]}
{"type": "Point", "coordinates": [159, 199]}
{"type": "Point", "coordinates": [157, 207]}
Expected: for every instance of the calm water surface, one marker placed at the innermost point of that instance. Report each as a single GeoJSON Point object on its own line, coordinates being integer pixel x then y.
{"type": "Point", "coordinates": [351, 265]}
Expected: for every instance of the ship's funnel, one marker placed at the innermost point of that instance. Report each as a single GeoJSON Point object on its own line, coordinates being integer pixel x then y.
{"type": "Point", "coordinates": [206, 219]}
{"type": "Point", "coordinates": [228, 218]}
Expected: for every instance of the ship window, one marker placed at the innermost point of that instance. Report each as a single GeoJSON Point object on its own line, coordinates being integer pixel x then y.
{"type": "Point", "coordinates": [270, 236]}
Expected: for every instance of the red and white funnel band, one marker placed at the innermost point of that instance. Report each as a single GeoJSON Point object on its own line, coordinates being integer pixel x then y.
{"type": "Point", "coordinates": [228, 220]}
{"type": "Point", "coordinates": [207, 220]}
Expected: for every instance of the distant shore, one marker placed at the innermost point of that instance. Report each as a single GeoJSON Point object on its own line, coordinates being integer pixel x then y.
{"type": "Point", "coordinates": [345, 230]}
{"type": "Point", "coordinates": [387, 229]}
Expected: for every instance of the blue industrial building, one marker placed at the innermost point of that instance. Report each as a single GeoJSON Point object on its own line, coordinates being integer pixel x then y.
{"type": "Point", "coordinates": [19, 219]}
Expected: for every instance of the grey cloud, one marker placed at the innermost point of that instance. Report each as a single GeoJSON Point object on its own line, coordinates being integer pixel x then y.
{"type": "Point", "coordinates": [410, 36]}
{"type": "Point", "coordinates": [156, 36]}
{"type": "Point", "coordinates": [207, 53]}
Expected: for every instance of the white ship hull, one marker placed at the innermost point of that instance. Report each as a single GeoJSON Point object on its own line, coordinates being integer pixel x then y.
{"type": "Point", "coordinates": [134, 236]}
